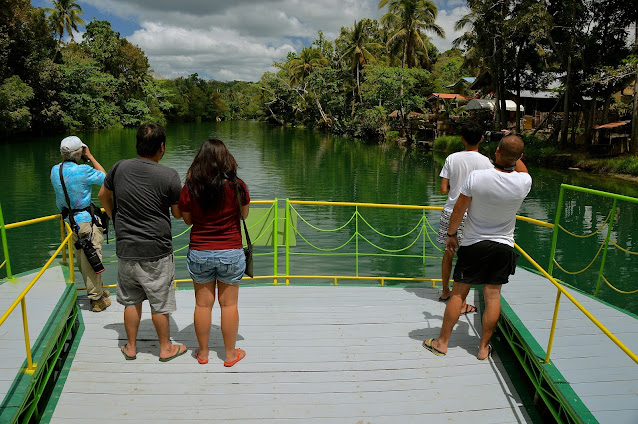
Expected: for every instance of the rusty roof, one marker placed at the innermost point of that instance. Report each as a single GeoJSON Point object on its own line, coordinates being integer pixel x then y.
{"type": "Point", "coordinates": [611, 125]}
{"type": "Point", "coordinates": [447, 96]}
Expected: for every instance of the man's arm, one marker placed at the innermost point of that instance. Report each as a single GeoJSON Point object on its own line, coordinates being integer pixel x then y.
{"type": "Point", "coordinates": [445, 185]}
{"type": "Point", "coordinates": [462, 203]}
{"type": "Point", "coordinates": [106, 199]}
{"type": "Point", "coordinates": [520, 166]}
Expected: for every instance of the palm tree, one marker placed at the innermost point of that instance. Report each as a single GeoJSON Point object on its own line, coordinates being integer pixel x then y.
{"type": "Point", "coordinates": [303, 64]}
{"type": "Point", "coordinates": [301, 67]}
{"type": "Point", "coordinates": [358, 49]}
{"type": "Point", "coordinates": [474, 57]}
{"type": "Point", "coordinates": [408, 20]}
{"type": "Point", "coordinates": [65, 17]}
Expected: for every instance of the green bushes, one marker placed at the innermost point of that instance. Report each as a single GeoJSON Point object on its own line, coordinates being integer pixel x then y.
{"type": "Point", "coordinates": [618, 165]}
{"type": "Point", "coordinates": [449, 143]}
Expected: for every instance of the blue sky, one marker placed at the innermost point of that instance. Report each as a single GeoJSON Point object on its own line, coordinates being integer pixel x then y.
{"type": "Point", "coordinates": [238, 39]}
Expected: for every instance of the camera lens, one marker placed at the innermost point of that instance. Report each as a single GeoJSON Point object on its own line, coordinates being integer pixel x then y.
{"type": "Point", "coordinates": [91, 254]}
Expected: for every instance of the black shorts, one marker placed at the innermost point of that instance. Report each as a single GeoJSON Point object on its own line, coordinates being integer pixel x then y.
{"type": "Point", "coordinates": [485, 262]}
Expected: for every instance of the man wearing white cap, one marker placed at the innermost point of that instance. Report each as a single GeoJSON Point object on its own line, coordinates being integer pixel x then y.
{"type": "Point", "coordinates": [73, 198]}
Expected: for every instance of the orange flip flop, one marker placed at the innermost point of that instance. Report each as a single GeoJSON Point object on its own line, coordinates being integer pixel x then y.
{"type": "Point", "coordinates": [200, 360]}
{"type": "Point", "coordinates": [241, 354]}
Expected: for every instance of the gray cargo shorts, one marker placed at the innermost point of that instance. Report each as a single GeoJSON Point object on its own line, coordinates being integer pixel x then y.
{"type": "Point", "coordinates": [152, 280]}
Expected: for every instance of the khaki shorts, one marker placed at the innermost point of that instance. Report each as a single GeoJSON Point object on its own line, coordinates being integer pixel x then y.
{"type": "Point", "coordinates": [138, 281]}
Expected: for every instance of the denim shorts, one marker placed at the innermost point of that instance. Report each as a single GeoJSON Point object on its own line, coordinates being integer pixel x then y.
{"type": "Point", "coordinates": [226, 266]}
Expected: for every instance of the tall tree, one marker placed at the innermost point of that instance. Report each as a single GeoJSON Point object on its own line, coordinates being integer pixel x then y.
{"type": "Point", "coordinates": [408, 22]}
{"type": "Point", "coordinates": [65, 17]}
{"type": "Point", "coordinates": [358, 46]}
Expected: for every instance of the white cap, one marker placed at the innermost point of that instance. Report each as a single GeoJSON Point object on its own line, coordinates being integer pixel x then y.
{"type": "Point", "coordinates": [71, 144]}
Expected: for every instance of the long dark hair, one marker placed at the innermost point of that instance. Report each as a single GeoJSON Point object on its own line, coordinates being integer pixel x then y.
{"type": "Point", "coordinates": [210, 171]}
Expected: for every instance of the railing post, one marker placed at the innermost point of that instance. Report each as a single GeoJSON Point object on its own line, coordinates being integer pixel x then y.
{"type": "Point", "coordinates": [275, 234]}
{"type": "Point", "coordinates": [423, 230]}
{"type": "Point", "coordinates": [555, 234]}
{"type": "Point", "coordinates": [30, 364]}
{"type": "Point", "coordinates": [602, 262]}
{"type": "Point", "coordinates": [62, 237]}
{"type": "Point", "coordinates": [356, 233]}
{"type": "Point", "coordinates": [286, 243]}
{"type": "Point", "coordinates": [71, 265]}
{"type": "Point", "coordinates": [5, 246]}
{"type": "Point", "coordinates": [553, 329]}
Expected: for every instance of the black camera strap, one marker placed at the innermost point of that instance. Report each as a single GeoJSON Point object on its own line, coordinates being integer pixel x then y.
{"type": "Point", "coordinates": [503, 168]}
{"type": "Point", "coordinates": [71, 212]}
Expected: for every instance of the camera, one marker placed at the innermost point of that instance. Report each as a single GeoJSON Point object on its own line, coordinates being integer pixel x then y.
{"type": "Point", "coordinates": [494, 135]}
{"type": "Point", "coordinates": [84, 244]}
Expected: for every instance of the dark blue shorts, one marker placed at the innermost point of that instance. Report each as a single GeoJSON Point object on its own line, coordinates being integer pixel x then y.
{"type": "Point", "coordinates": [485, 262]}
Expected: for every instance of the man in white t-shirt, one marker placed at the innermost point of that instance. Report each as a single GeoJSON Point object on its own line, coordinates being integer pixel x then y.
{"type": "Point", "coordinates": [456, 169]}
{"type": "Point", "coordinates": [486, 257]}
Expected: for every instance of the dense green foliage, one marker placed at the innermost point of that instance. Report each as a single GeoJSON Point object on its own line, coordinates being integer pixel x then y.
{"type": "Point", "coordinates": [350, 85]}
{"type": "Point", "coordinates": [448, 143]}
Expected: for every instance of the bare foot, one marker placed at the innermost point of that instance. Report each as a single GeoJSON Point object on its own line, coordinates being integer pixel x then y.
{"type": "Point", "coordinates": [128, 351]}
{"type": "Point", "coordinates": [175, 351]}
{"type": "Point", "coordinates": [202, 356]}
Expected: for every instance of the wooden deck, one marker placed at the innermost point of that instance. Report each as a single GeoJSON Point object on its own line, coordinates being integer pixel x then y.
{"type": "Point", "coordinates": [602, 375]}
{"type": "Point", "coordinates": [318, 354]}
{"type": "Point", "coordinates": [326, 354]}
{"type": "Point", "coordinates": [41, 302]}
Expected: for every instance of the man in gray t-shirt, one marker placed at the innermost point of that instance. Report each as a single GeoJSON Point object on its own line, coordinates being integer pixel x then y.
{"type": "Point", "coordinates": [138, 194]}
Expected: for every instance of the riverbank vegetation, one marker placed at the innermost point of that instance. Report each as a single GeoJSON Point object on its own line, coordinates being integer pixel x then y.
{"type": "Point", "coordinates": [363, 83]}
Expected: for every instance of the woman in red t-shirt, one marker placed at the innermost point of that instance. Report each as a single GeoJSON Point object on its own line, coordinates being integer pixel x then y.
{"type": "Point", "coordinates": [215, 257]}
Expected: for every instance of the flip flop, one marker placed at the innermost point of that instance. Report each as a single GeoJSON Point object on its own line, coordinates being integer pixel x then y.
{"type": "Point", "coordinates": [128, 358]}
{"type": "Point", "coordinates": [469, 309]}
{"type": "Point", "coordinates": [241, 354]}
{"type": "Point", "coordinates": [428, 345]}
{"type": "Point", "coordinates": [441, 299]}
{"type": "Point", "coordinates": [490, 349]}
{"type": "Point", "coordinates": [180, 352]}
{"type": "Point", "coordinates": [200, 360]}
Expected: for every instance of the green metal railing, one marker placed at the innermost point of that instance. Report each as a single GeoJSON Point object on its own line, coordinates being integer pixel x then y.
{"type": "Point", "coordinates": [609, 221]}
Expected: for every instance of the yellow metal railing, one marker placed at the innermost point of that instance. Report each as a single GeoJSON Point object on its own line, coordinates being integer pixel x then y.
{"type": "Point", "coordinates": [561, 291]}
{"type": "Point", "coordinates": [31, 366]}
{"type": "Point", "coordinates": [66, 240]}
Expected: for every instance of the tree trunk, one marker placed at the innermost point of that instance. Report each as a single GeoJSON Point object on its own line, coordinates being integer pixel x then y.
{"type": "Point", "coordinates": [518, 97]}
{"type": "Point", "coordinates": [359, 85]}
{"type": "Point", "coordinates": [590, 122]}
{"type": "Point", "coordinates": [566, 100]}
{"type": "Point", "coordinates": [634, 120]}
{"type": "Point", "coordinates": [606, 108]}
{"type": "Point", "coordinates": [568, 82]}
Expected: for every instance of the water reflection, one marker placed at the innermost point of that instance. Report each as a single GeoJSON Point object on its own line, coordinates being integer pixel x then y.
{"type": "Point", "coordinates": [290, 163]}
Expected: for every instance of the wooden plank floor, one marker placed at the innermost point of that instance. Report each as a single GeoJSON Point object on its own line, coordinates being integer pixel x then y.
{"type": "Point", "coordinates": [328, 354]}
{"type": "Point", "coordinates": [602, 375]}
{"type": "Point", "coordinates": [40, 302]}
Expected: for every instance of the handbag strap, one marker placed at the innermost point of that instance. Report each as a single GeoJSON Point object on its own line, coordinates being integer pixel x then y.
{"type": "Point", "coordinates": [248, 242]}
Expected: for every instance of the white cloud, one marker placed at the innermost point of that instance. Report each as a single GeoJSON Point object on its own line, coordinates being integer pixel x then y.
{"type": "Point", "coordinates": [241, 39]}
{"type": "Point", "coordinates": [214, 53]}
{"type": "Point", "coordinates": [447, 19]}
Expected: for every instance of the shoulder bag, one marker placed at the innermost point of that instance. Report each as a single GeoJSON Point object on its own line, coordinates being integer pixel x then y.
{"type": "Point", "coordinates": [248, 251]}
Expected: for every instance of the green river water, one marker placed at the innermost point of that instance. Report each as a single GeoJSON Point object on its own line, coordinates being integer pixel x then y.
{"type": "Point", "coordinates": [303, 165]}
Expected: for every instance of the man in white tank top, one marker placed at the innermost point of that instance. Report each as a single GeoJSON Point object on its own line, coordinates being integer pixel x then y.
{"type": "Point", "coordinates": [456, 169]}
{"type": "Point", "coordinates": [486, 255]}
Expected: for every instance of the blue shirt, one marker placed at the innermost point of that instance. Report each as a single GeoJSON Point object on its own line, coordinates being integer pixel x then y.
{"type": "Point", "coordinates": [78, 180]}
